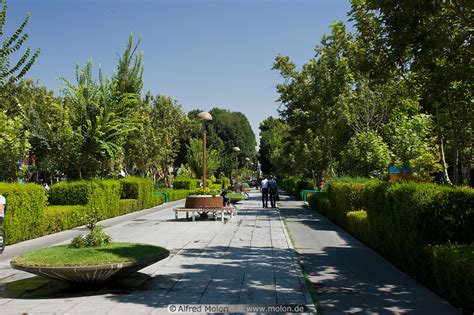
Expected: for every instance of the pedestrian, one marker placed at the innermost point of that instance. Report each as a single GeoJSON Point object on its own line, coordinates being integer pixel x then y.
{"type": "Point", "coordinates": [224, 197]}
{"type": "Point", "coordinates": [273, 188]}
{"type": "Point", "coordinates": [265, 192]}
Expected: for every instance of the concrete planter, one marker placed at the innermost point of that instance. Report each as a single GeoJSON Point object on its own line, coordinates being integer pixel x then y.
{"type": "Point", "coordinates": [204, 202]}
{"type": "Point", "coordinates": [89, 274]}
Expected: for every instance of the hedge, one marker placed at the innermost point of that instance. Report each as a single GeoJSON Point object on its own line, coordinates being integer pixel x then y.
{"type": "Point", "coordinates": [138, 188]}
{"type": "Point", "coordinates": [188, 184]}
{"type": "Point", "coordinates": [294, 185]}
{"type": "Point", "coordinates": [453, 274]}
{"type": "Point", "coordinates": [223, 181]}
{"type": "Point", "coordinates": [176, 194]}
{"type": "Point", "coordinates": [24, 211]}
{"type": "Point", "coordinates": [157, 200]}
{"type": "Point", "coordinates": [102, 197]}
{"type": "Point", "coordinates": [401, 220]}
{"type": "Point", "coordinates": [128, 206]}
{"type": "Point", "coordinates": [60, 218]}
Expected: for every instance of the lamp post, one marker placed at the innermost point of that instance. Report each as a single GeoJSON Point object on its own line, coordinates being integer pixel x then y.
{"type": "Point", "coordinates": [204, 117]}
{"type": "Point", "coordinates": [236, 150]}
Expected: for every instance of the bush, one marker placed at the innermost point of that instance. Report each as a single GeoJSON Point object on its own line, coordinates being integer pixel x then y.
{"type": "Point", "coordinates": [453, 274]}
{"type": "Point", "coordinates": [128, 206]}
{"type": "Point", "coordinates": [215, 186]}
{"type": "Point", "coordinates": [138, 188]}
{"type": "Point", "coordinates": [188, 184]}
{"type": "Point", "coordinates": [60, 218]}
{"type": "Point", "coordinates": [24, 211]}
{"type": "Point", "coordinates": [294, 185]}
{"type": "Point", "coordinates": [344, 197]}
{"type": "Point", "coordinates": [358, 225]}
{"type": "Point", "coordinates": [157, 200]}
{"type": "Point", "coordinates": [223, 181]}
{"type": "Point", "coordinates": [100, 197]}
{"type": "Point", "coordinates": [175, 194]}
{"type": "Point", "coordinates": [320, 202]}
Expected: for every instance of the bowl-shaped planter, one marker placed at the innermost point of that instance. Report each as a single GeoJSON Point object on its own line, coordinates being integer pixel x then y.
{"type": "Point", "coordinates": [90, 264]}
{"type": "Point", "coordinates": [204, 201]}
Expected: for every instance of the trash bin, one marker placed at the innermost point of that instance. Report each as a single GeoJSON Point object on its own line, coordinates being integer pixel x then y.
{"type": "Point", "coordinates": [3, 234]}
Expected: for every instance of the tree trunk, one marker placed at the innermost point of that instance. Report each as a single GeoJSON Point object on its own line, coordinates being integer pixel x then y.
{"type": "Point", "coordinates": [443, 159]}
{"type": "Point", "coordinates": [455, 176]}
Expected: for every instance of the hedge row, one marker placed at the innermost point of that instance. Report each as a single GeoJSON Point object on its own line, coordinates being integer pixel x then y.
{"type": "Point", "coordinates": [175, 194]}
{"type": "Point", "coordinates": [294, 185]}
{"type": "Point", "coordinates": [402, 220]}
{"type": "Point", "coordinates": [24, 211]}
{"type": "Point", "coordinates": [223, 181]}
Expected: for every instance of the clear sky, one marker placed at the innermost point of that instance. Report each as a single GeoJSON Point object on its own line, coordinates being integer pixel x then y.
{"type": "Point", "coordinates": [203, 53]}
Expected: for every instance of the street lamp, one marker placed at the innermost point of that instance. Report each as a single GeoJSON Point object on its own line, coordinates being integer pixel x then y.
{"type": "Point", "coordinates": [236, 150]}
{"type": "Point", "coordinates": [204, 117]}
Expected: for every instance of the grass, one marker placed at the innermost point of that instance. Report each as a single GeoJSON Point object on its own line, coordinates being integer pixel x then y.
{"type": "Point", "coordinates": [65, 256]}
{"type": "Point", "coordinates": [307, 280]}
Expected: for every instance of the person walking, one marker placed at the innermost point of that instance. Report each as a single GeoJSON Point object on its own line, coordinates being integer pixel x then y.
{"type": "Point", "coordinates": [265, 192]}
{"type": "Point", "coordinates": [273, 188]}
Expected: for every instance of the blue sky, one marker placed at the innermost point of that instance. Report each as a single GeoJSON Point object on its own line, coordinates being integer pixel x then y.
{"type": "Point", "coordinates": [202, 53]}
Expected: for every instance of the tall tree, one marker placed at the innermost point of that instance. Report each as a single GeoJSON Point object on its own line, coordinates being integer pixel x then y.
{"type": "Point", "coordinates": [11, 44]}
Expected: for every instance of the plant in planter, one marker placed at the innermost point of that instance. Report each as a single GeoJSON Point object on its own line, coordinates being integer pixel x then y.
{"type": "Point", "coordinates": [89, 259]}
{"type": "Point", "coordinates": [204, 199]}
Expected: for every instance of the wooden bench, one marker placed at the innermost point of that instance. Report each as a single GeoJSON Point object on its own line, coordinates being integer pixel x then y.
{"type": "Point", "coordinates": [193, 211]}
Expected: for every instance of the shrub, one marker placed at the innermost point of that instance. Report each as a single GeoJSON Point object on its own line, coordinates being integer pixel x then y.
{"type": "Point", "coordinates": [24, 211]}
{"type": "Point", "coordinates": [175, 194]}
{"type": "Point", "coordinates": [215, 186]}
{"type": "Point", "coordinates": [358, 225]}
{"type": "Point", "coordinates": [157, 200]}
{"type": "Point", "coordinates": [128, 206]}
{"type": "Point", "coordinates": [223, 181]}
{"type": "Point", "coordinates": [344, 197]}
{"type": "Point", "coordinates": [188, 184]}
{"type": "Point", "coordinates": [96, 237]}
{"type": "Point", "coordinates": [320, 202]}
{"type": "Point", "coordinates": [453, 274]}
{"type": "Point", "coordinates": [60, 218]}
{"type": "Point", "coordinates": [100, 197]}
{"type": "Point", "coordinates": [138, 188]}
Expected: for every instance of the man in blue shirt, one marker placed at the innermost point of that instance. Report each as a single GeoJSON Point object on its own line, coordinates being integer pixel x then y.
{"type": "Point", "coordinates": [273, 188]}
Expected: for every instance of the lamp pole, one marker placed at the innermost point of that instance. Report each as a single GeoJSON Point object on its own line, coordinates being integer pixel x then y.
{"type": "Point", "coordinates": [236, 150]}
{"type": "Point", "coordinates": [204, 117]}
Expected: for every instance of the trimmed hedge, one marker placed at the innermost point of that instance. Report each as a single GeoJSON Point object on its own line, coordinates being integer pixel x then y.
{"type": "Point", "coordinates": [294, 185]}
{"type": "Point", "coordinates": [138, 188]}
{"type": "Point", "coordinates": [453, 274]}
{"type": "Point", "coordinates": [128, 206]}
{"type": "Point", "coordinates": [24, 211]}
{"type": "Point", "coordinates": [401, 220]}
{"type": "Point", "coordinates": [60, 218]}
{"type": "Point", "coordinates": [157, 200]}
{"type": "Point", "coordinates": [176, 194]}
{"type": "Point", "coordinates": [188, 184]}
{"type": "Point", "coordinates": [102, 197]}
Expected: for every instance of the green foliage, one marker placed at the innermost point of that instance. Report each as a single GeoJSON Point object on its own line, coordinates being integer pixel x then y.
{"type": "Point", "coordinates": [358, 225]}
{"type": "Point", "coordinates": [176, 194]}
{"type": "Point", "coordinates": [207, 191]}
{"type": "Point", "coordinates": [61, 218]}
{"type": "Point", "coordinates": [272, 132]}
{"type": "Point", "coordinates": [13, 146]}
{"type": "Point", "coordinates": [128, 206]}
{"type": "Point", "coordinates": [223, 181]}
{"type": "Point", "coordinates": [367, 155]}
{"type": "Point", "coordinates": [294, 185]}
{"type": "Point", "coordinates": [184, 183]}
{"type": "Point", "coordinates": [24, 211]}
{"type": "Point", "coordinates": [400, 220]}
{"type": "Point", "coordinates": [453, 274]}
{"type": "Point", "coordinates": [157, 200]}
{"type": "Point", "coordinates": [194, 158]}
{"type": "Point", "coordinates": [95, 238]}
{"type": "Point", "coordinates": [138, 188]}
{"type": "Point", "coordinates": [11, 44]}
{"type": "Point", "coordinates": [320, 202]}
{"type": "Point", "coordinates": [100, 120]}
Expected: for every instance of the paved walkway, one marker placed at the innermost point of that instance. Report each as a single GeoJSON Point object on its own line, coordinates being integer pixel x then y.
{"type": "Point", "coordinates": [247, 261]}
{"type": "Point", "coordinates": [348, 276]}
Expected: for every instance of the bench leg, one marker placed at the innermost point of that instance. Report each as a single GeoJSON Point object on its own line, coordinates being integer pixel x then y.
{"type": "Point", "coordinates": [176, 215]}
{"type": "Point", "coordinates": [187, 215]}
{"type": "Point", "coordinates": [193, 216]}
{"type": "Point", "coordinates": [222, 216]}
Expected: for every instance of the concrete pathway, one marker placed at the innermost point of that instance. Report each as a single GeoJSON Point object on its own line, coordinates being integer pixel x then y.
{"type": "Point", "coordinates": [348, 276]}
{"type": "Point", "coordinates": [247, 261]}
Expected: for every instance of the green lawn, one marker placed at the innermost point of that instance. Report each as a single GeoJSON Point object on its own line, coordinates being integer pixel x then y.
{"type": "Point", "coordinates": [64, 255]}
